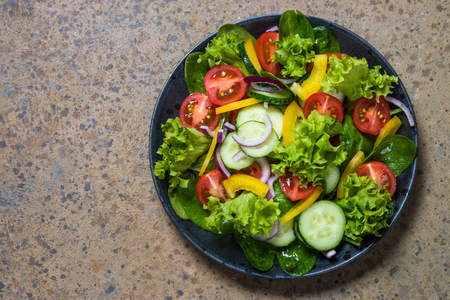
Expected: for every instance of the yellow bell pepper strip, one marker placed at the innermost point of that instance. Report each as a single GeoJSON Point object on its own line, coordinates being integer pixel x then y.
{"type": "Point", "coordinates": [250, 49]}
{"type": "Point", "coordinates": [312, 84]}
{"type": "Point", "coordinates": [236, 105]}
{"type": "Point", "coordinates": [210, 152]}
{"type": "Point", "coordinates": [302, 205]}
{"type": "Point", "coordinates": [237, 182]}
{"type": "Point", "coordinates": [352, 167]}
{"type": "Point", "coordinates": [292, 112]}
{"type": "Point", "coordinates": [391, 127]}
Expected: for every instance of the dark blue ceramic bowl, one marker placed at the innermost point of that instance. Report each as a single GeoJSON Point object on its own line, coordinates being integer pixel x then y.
{"type": "Point", "coordinates": [224, 249]}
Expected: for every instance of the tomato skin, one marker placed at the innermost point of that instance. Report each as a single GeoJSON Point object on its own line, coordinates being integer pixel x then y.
{"type": "Point", "coordinates": [265, 49]}
{"type": "Point", "coordinates": [381, 173]}
{"type": "Point", "coordinates": [310, 66]}
{"type": "Point", "coordinates": [210, 184]}
{"type": "Point", "coordinates": [197, 110]}
{"type": "Point", "coordinates": [225, 84]}
{"type": "Point", "coordinates": [252, 170]}
{"type": "Point", "coordinates": [293, 188]}
{"type": "Point", "coordinates": [324, 104]}
{"type": "Point", "coordinates": [370, 116]}
{"type": "Point", "coordinates": [233, 116]}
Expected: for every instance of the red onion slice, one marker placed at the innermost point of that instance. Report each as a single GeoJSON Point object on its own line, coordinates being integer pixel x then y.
{"type": "Point", "coordinates": [240, 154]}
{"type": "Point", "coordinates": [405, 109]}
{"type": "Point", "coordinates": [221, 134]}
{"type": "Point", "coordinates": [229, 126]}
{"type": "Point", "coordinates": [271, 192]}
{"type": "Point", "coordinates": [205, 130]}
{"type": "Point", "coordinates": [274, 28]}
{"type": "Point", "coordinates": [264, 84]}
{"type": "Point", "coordinates": [329, 254]}
{"type": "Point", "coordinates": [259, 141]}
{"type": "Point", "coordinates": [266, 170]}
{"type": "Point", "coordinates": [266, 104]}
{"type": "Point", "coordinates": [220, 165]}
{"type": "Point", "coordinates": [272, 232]}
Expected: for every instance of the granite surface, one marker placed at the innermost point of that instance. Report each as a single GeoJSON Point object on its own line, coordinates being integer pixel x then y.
{"type": "Point", "coordinates": [79, 214]}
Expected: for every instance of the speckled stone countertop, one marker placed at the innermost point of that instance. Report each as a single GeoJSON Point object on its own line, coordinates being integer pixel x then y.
{"type": "Point", "coordinates": [79, 214]}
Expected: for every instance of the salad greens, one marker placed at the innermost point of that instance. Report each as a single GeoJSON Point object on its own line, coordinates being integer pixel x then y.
{"type": "Point", "coordinates": [367, 208]}
{"type": "Point", "coordinates": [308, 155]}
{"type": "Point", "coordinates": [182, 146]}
{"type": "Point", "coordinates": [353, 77]}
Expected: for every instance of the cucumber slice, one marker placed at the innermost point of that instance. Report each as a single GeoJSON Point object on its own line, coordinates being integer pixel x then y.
{"type": "Point", "coordinates": [257, 112]}
{"type": "Point", "coordinates": [228, 149]}
{"type": "Point", "coordinates": [253, 130]}
{"type": "Point", "coordinates": [283, 97]}
{"type": "Point", "coordinates": [285, 235]}
{"type": "Point", "coordinates": [332, 178]}
{"type": "Point", "coordinates": [322, 225]}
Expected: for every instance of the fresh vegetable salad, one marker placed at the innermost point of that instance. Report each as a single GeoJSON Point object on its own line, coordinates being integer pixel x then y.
{"type": "Point", "coordinates": [286, 143]}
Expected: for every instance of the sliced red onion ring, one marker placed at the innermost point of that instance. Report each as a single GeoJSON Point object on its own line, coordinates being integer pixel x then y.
{"type": "Point", "coordinates": [220, 165]}
{"type": "Point", "coordinates": [221, 134]}
{"type": "Point", "coordinates": [329, 254]}
{"type": "Point", "coordinates": [240, 154]}
{"type": "Point", "coordinates": [266, 104]}
{"type": "Point", "coordinates": [271, 192]}
{"type": "Point", "coordinates": [266, 170]}
{"type": "Point", "coordinates": [405, 109]}
{"type": "Point", "coordinates": [272, 232]}
{"type": "Point", "coordinates": [274, 28]}
{"type": "Point", "coordinates": [287, 81]}
{"type": "Point", "coordinates": [229, 126]}
{"type": "Point", "coordinates": [259, 141]}
{"type": "Point", "coordinates": [205, 130]}
{"type": "Point", "coordinates": [264, 84]}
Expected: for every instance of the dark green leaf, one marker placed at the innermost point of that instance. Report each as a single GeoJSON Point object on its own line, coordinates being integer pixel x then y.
{"type": "Point", "coordinates": [325, 41]}
{"type": "Point", "coordinates": [292, 23]}
{"type": "Point", "coordinates": [396, 151]}
{"type": "Point", "coordinates": [284, 203]}
{"type": "Point", "coordinates": [233, 29]}
{"type": "Point", "coordinates": [261, 255]}
{"type": "Point", "coordinates": [194, 73]}
{"type": "Point", "coordinates": [354, 140]}
{"type": "Point", "coordinates": [296, 259]}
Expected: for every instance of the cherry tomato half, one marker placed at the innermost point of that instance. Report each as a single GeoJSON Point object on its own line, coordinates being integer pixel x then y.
{"type": "Point", "coordinates": [233, 116]}
{"type": "Point", "coordinates": [265, 49]}
{"type": "Point", "coordinates": [381, 173]}
{"type": "Point", "coordinates": [370, 116]}
{"type": "Point", "coordinates": [197, 110]}
{"type": "Point", "coordinates": [310, 66]}
{"type": "Point", "coordinates": [294, 188]}
{"type": "Point", "coordinates": [210, 184]}
{"type": "Point", "coordinates": [225, 84]}
{"type": "Point", "coordinates": [324, 104]}
{"type": "Point", "coordinates": [252, 170]}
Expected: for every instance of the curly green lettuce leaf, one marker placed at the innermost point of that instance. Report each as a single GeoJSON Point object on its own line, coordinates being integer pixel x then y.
{"type": "Point", "coordinates": [249, 213]}
{"type": "Point", "coordinates": [308, 155]}
{"type": "Point", "coordinates": [224, 50]}
{"type": "Point", "coordinates": [294, 53]}
{"type": "Point", "coordinates": [353, 77]}
{"type": "Point", "coordinates": [181, 148]}
{"type": "Point", "coordinates": [366, 208]}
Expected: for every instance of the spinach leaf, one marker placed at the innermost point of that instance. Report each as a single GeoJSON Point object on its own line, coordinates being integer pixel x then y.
{"type": "Point", "coordinates": [296, 259]}
{"type": "Point", "coordinates": [284, 203]}
{"type": "Point", "coordinates": [292, 23]}
{"type": "Point", "coordinates": [176, 205]}
{"type": "Point", "coordinates": [233, 29]}
{"type": "Point", "coordinates": [396, 151]}
{"type": "Point", "coordinates": [197, 165]}
{"type": "Point", "coordinates": [194, 209]}
{"type": "Point", "coordinates": [354, 140]}
{"type": "Point", "coordinates": [325, 41]}
{"type": "Point", "coordinates": [260, 255]}
{"type": "Point", "coordinates": [194, 73]}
